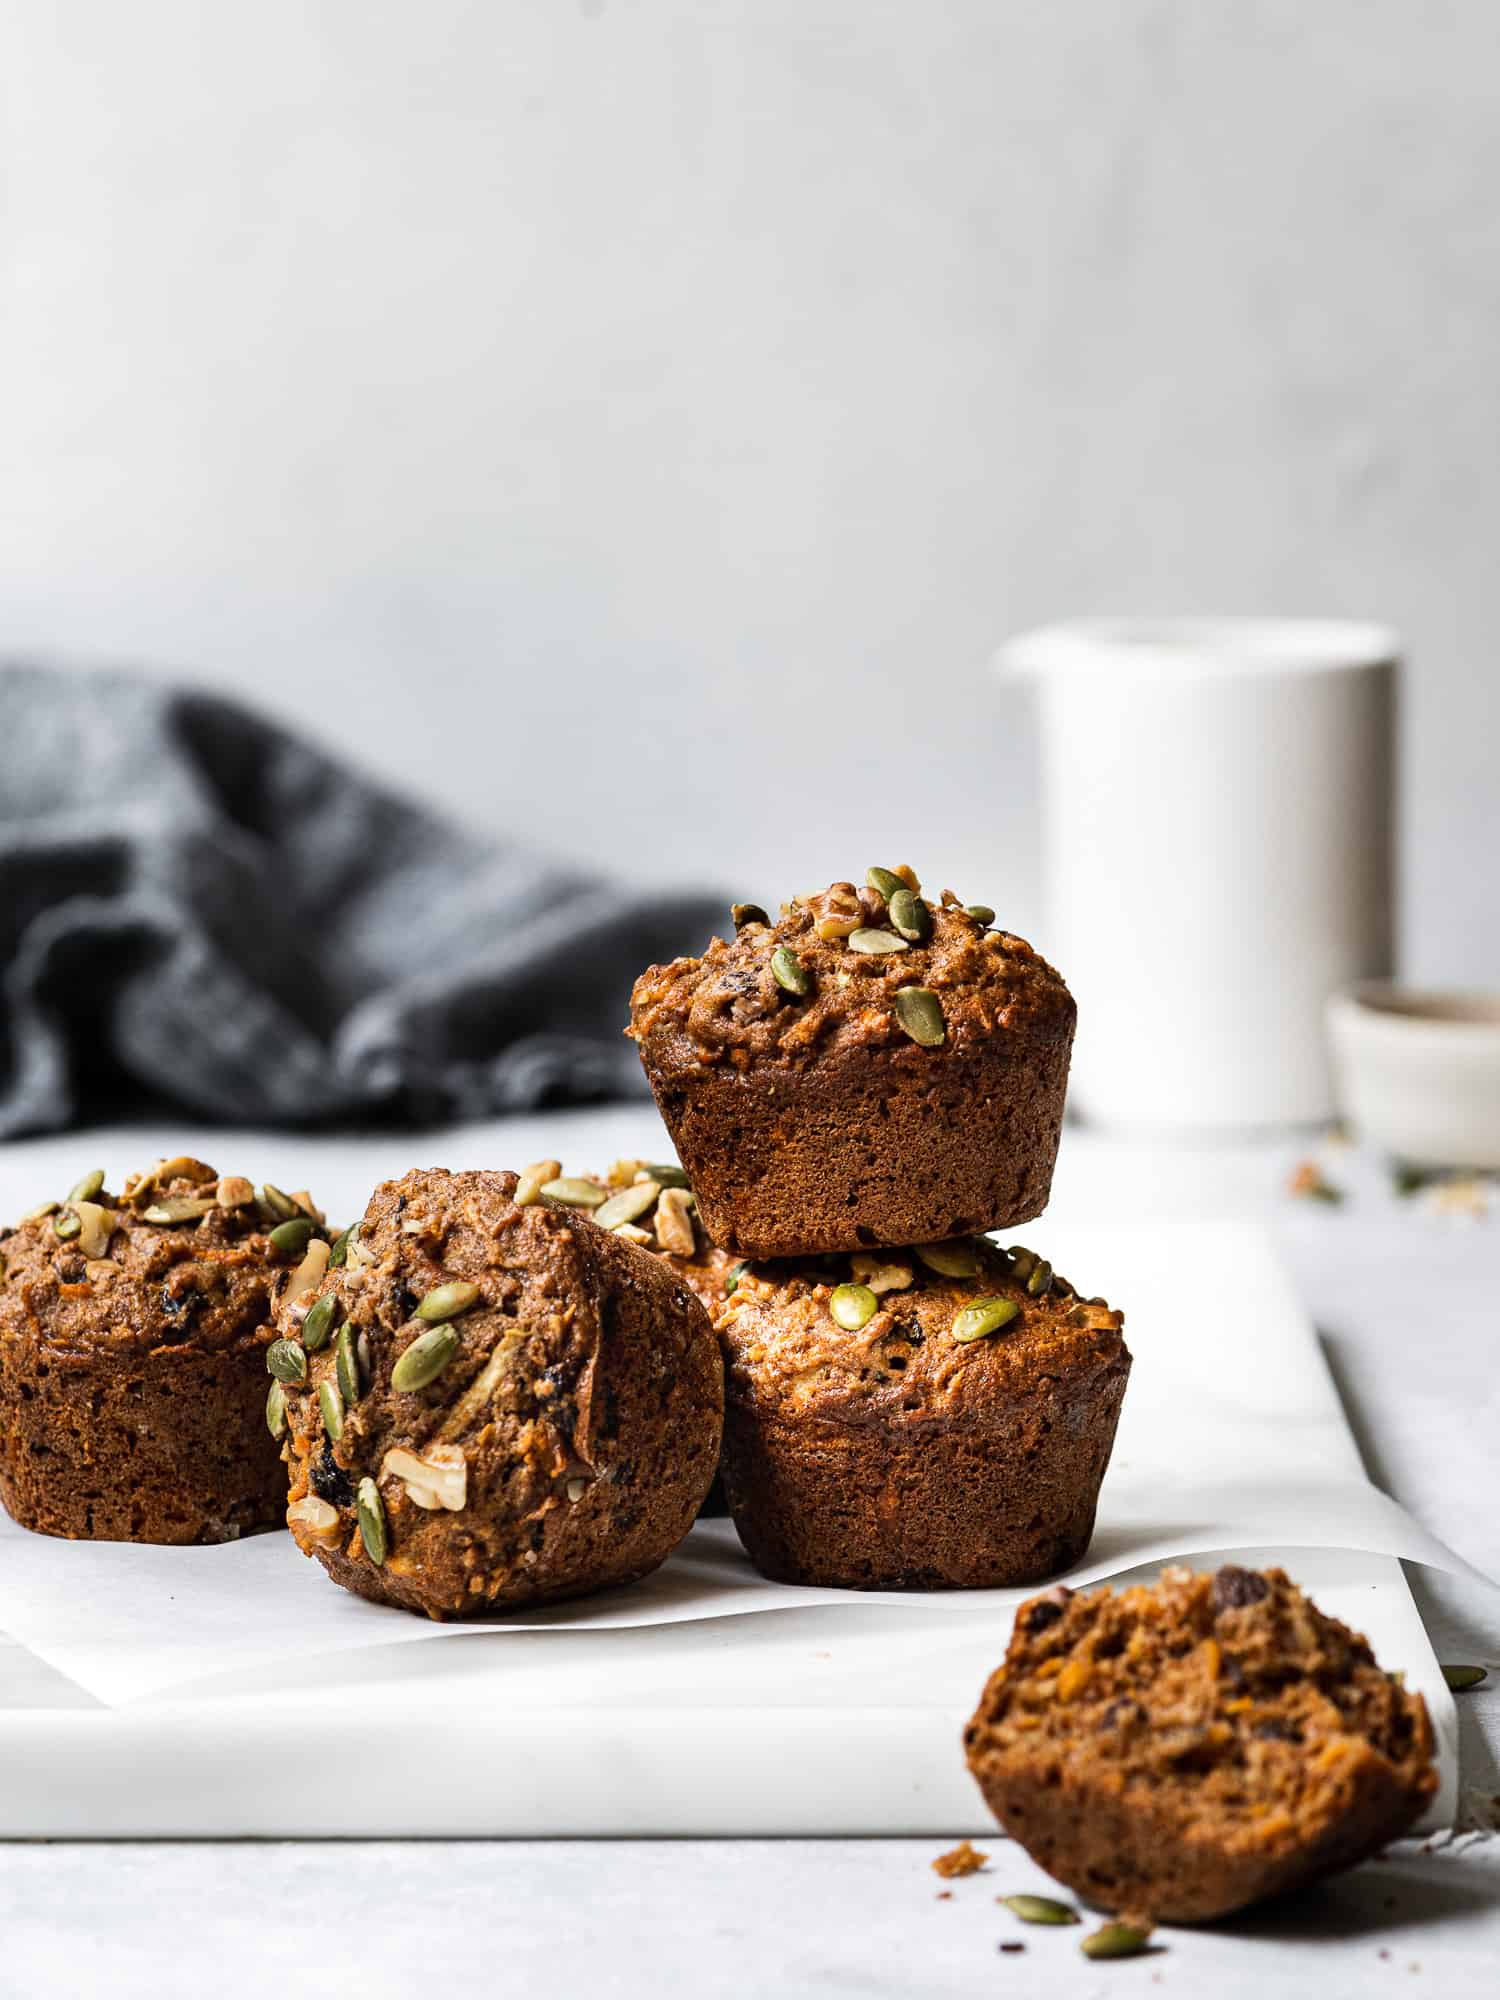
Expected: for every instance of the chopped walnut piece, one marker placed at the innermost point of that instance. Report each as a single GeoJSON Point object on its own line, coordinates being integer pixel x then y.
{"type": "Point", "coordinates": [316, 1519]}
{"type": "Point", "coordinates": [674, 1222]}
{"type": "Point", "coordinates": [436, 1478]}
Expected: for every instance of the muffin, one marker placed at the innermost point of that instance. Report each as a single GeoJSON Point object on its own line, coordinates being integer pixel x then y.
{"type": "Point", "coordinates": [1181, 1750]}
{"type": "Point", "coordinates": [938, 1418]}
{"type": "Point", "coordinates": [871, 1069]}
{"type": "Point", "coordinates": [492, 1401]}
{"type": "Point", "coordinates": [133, 1331]}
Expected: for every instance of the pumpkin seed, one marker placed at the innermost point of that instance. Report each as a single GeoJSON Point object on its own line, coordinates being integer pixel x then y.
{"type": "Point", "coordinates": [885, 882]}
{"type": "Point", "coordinates": [346, 1363]}
{"type": "Point", "coordinates": [1022, 1261]}
{"type": "Point", "coordinates": [920, 1013]}
{"type": "Point", "coordinates": [789, 972]}
{"type": "Point", "coordinates": [89, 1188]}
{"type": "Point", "coordinates": [732, 1282]}
{"type": "Point", "coordinates": [666, 1173]}
{"type": "Point", "coordinates": [331, 1404]}
{"type": "Point", "coordinates": [370, 1510]}
{"type": "Point", "coordinates": [570, 1193]}
{"type": "Point", "coordinates": [319, 1322]}
{"type": "Point", "coordinates": [627, 1204]}
{"type": "Point", "coordinates": [40, 1214]}
{"type": "Point", "coordinates": [448, 1301]}
{"type": "Point", "coordinates": [426, 1358]}
{"type": "Point", "coordinates": [287, 1361]}
{"type": "Point", "coordinates": [1040, 1281]}
{"type": "Point", "coordinates": [338, 1252]}
{"type": "Point", "coordinates": [290, 1239]}
{"type": "Point", "coordinates": [955, 1259]}
{"type": "Point", "coordinates": [276, 1410]}
{"type": "Point", "coordinates": [853, 1306]}
{"type": "Point", "coordinates": [179, 1208]}
{"type": "Point", "coordinates": [984, 1317]}
{"type": "Point", "coordinates": [1115, 1941]}
{"type": "Point", "coordinates": [910, 916]}
{"type": "Point", "coordinates": [748, 913]}
{"type": "Point", "coordinates": [281, 1205]}
{"type": "Point", "coordinates": [980, 912]}
{"type": "Point", "coordinates": [1459, 1678]}
{"type": "Point", "coordinates": [1041, 1910]}
{"type": "Point", "coordinates": [66, 1225]}
{"type": "Point", "coordinates": [876, 944]}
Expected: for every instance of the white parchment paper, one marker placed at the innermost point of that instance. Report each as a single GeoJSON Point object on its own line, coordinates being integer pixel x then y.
{"type": "Point", "coordinates": [1232, 1437]}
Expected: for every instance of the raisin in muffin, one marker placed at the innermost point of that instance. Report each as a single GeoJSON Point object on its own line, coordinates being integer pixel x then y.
{"type": "Point", "coordinates": [1184, 1749]}
{"type": "Point", "coordinates": [871, 1069]}
{"type": "Point", "coordinates": [937, 1418]}
{"type": "Point", "coordinates": [133, 1331]}
{"type": "Point", "coordinates": [492, 1401]}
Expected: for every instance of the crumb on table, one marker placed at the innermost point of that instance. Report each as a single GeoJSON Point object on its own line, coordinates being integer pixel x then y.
{"type": "Point", "coordinates": [965, 1859]}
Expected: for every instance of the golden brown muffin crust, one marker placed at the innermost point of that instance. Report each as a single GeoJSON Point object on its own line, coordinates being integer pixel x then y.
{"type": "Point", "coordinates": [132, 1331]}
{"type": "Point", "coordinates": [729, 1006]}
{"type": "Point", "coordinates": [563, 1445]}
{"type": "Point", "coordinates": [1182, 1749]}
{"type": "Point", "coordinates": [787, 1352]}
{"type": "Point", "coordinates": [868, 1443]}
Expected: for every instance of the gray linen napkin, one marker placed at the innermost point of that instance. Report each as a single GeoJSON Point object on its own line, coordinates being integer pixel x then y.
{"type": "Point", "coordinates": [199, 908]}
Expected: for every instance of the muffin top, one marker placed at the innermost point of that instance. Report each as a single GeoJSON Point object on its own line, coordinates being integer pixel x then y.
{"type": "Point", "coordinates": [449, 1360]}
{"type": "Point", "coordinates": [184, 1257]}
{"type": "Point", "coordinates": [943, 1333]}
{"type": "Point", "coordinates": [870, 967]}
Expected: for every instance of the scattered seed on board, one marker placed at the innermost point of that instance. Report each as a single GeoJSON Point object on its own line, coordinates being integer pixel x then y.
{"type": "Point", "coordinates": [853, 1306]}
{"type": "Point", "coordinates": [984, 1317]}
{"type": "Point", "coordinates": [1462, 1678]}
{"type": "Point", "coordinates": [426, 1358]}
{"type": "Point", "coordinates": [790, 974]}
{"type": "Point", "coordinates": [1041, 1910]}
{"type": "Point", "coordinates": [1115, 1941]}
{"type": "Point", "coordinates": [346, 1363]}
{"type": "Point", "coordinates": [370, 1509]}
{"type": "Point", "coordinates": [287, 1361]}
{"type": "Point", "coordinates": [920, 1013]}
{"type": "Point", "coordinates": [331, 1405]}
{"type": "Point", "coordinates": [448, 1301]}
{"type": "Point", "coordinates": [318, 1325]}
{"type": "Point", "coordinates": [568, 1192]}
{"type": "Point", "coordinates": [276, 1410]}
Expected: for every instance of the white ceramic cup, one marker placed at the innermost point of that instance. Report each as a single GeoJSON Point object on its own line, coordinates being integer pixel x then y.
{"type": "Point", "coordinates": [1218, 855]}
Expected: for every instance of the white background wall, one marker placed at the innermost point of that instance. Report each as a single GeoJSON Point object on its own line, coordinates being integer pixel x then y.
{"type": "Point", "coordinates": [634, 422]}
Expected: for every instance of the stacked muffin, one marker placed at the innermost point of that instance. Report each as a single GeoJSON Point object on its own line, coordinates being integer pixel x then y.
{"type": "Point", "coordinates": [856, 1091]}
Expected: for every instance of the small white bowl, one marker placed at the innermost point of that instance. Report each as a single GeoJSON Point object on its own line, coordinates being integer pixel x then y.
{"type": "Point", "coordinates": [1418, 1073]}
